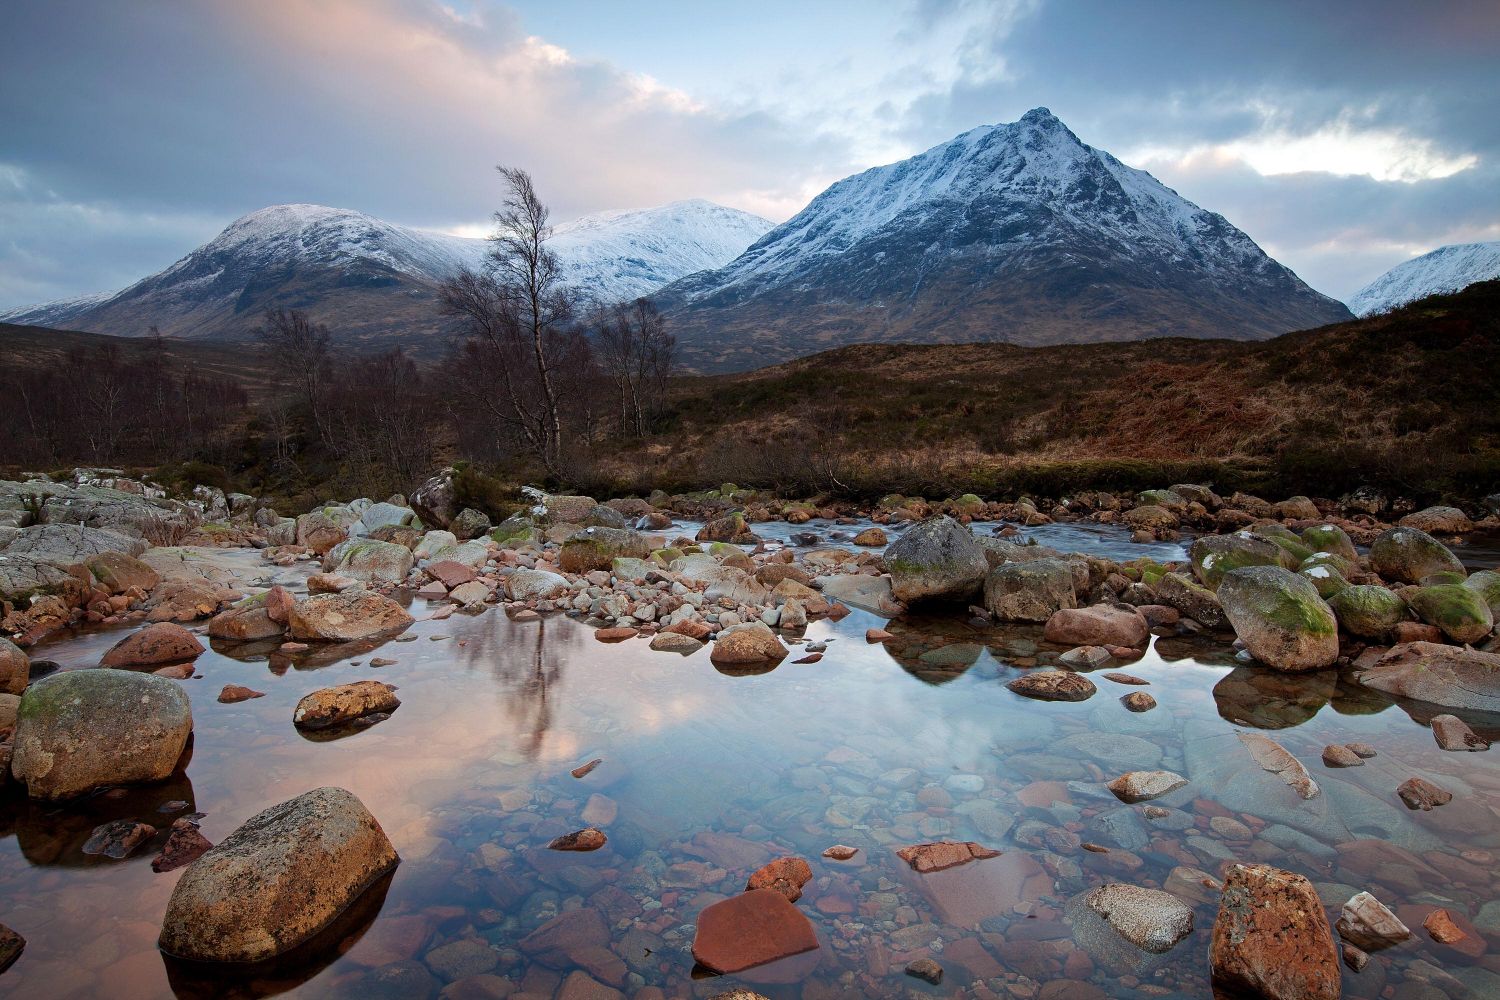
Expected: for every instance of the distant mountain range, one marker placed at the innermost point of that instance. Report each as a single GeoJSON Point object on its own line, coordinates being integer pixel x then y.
{"type": "Point", "coordinates": [1446, 269]}
{"type": "Point", "coordinates": [375, 282]}
{"type": "Point", "coordinates": [1017, 233]}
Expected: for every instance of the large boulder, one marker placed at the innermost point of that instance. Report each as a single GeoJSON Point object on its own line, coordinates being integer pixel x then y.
{"type": "Point", "coordinates": [731, 528]}
{"type": "Point", "coordinates": [1271, 939]}
{"type": "Point", "coordinates": [1460, 611]}
{"type": "Point", "coordinates": [1410, 554]}
{"type": "Point", "coordinates": [354, 614]}
{"type": "Point", "coordinates": [535, 584]}
{"type": "Point", "coordinates": [1030, 591]}
{"type": "Point", "coordinates": [1100, 625]}
{"type": "Point", "coordinates": [15, 670]}
{"type": "Point", "coordinates": [81, 730]}
{"type": "Point", "coordinates": [369, 560]}
{"type": "Point", "coordinates": [753, 642]}
{"type": "Point", "coordinates": [154, 645]}
{"type": "Point", "coordinates": [1438, 674]}
{"type": "Point", "coordinates": [598, 548]}
{"type": "Point", "coordinates": [320, 530]}
{"type": "Point", "coordinates": [117, 572]}
{"type": "Point", "coordinates": [568, 509]}
{"type": "Point", "coordinates": [71, 544]}
{"type": "Point", "coordinates": [1486, 583]}
{"type": "Point", "coordinates": [1190, 599]}
{"type": "Point", "coordinates": [1369, 611]}
{"type": "Point", "coordinates": [1150, 919]}
{"type": "Point", "coordinates": [1439, 521]}
{"type": "Point", "coordinates": [936, 560]}
{"type": "Point", "coordinates": [154, 520]}
{"type": "Point", "coordinates": [250, 619]}
{"type": "Point", "coordinates": [1330, 538]}
{"type": "Point", "coordinates": [1214, 555]}
{"type": "Point", "coordinates": [278, 880]}
{"type": "Point", "coordinates": [469, 523]}
{"type": "Point", "coordinates": [1280, 618]}
{"type": "Point", "coordinates": [385, 515]}
{"type": "Point", "coordinates": [436, 500]}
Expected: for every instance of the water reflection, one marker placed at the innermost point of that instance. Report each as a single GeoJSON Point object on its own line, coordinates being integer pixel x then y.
{"type": "Point", "coordinates": [52, 834]}
{"type": "Point", "coordinates": [1265, 699]}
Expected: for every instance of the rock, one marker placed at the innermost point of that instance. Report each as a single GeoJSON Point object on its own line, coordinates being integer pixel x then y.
{"type": "Point", "coordinates": [1190, 599]}
{"type": "Point", "coordinates": [1138, 701]}
{"type": "Point", "coordinates": [1459, 611]}
{"type": "Point", "coordinates": [233, 693]}
{"type": "Point", "coordinates": [875, 635]}
{"type": "Point", "coordinates": [750, 643]}
{"type": "Point", "coordinates": [370, 561]}
{"type": "Point", "coordinates": [11, 946]}
{"type": "Point", "coordinates": [119, 839]}
{"type": "Point", "coordinates": [598, 548]}
{"type": "Point", "coordinates": [870, 538]}
{"type": "Point", "coordinates": [1271, 939]}
{"type": "Point", "coordinates": [588, 839]}
{"type": "Point", "coordinates": [1030, 591]}
{"type": "Point", "coordinates": [1438, 674]}
{"type": "Point", "coordinates": [1409, 554]}
{"type": "Point", "coordinates": [247, 621]}
{"type": "Point", "coordinates": [1419, 793]}
{"type": "Point", "coordinates": [1152, 518]}
{"type": "Point", "coordinates": [15, 668]}
{"type": "Point", "coordinates": [1337, 755]}
{"type": "Point", "coordinates": [936, 560]}
{"type": "Point", "coordinates": [926, 970]}
{"type": "Point", "coordinates": [1214, 555]}
{"type": "Point", "coordinates": [1280, 618]}
{"type": "Point", "coordinates": [335, 706]}
{"type": "Point", "coordinates": [469, 523]}
{"type": "Point", "coordinates": [535, 584]}
{"type": "Point", "coordinates": [435, 501]}
{"type": "Point", "coordinates": [278, 880]}
{"type": "Point", "coordinates": [1452, 733]}
{"type": "Point", "coordinates": [1142, 786]}
{"type": "Point", "coordinates": [385, 515]}
{"type": "Point", "coordinates": [1439, 521]}
{"type": "Point", "coordinates": [1366, 923]}
{"type": "Point", "coordinates": [345, 617]}
{"type": "Point", "coordinates": [117, 573]}
{"type": "Point", "coordinates": [473, 594]}
{"type": "Point", "coordinates": [1297, 509]}
{"type": "Point", "coordinates": [840, 852]}
{"type": "Point", "coordinates": [584, 769]}
{"type": "Point", "coordinates": [1273, 757]}
{"type": "Point", "coordinates": [321, 530]}
{"type": "Point", "coordinates": [1486, 583]}
{"type": "Point", "coordinates": [1100, 625]}
{"type": "Point", "coordinates": [153, 646]}
{"type": "Point", "coordinates": [80, 730]}
{"type": "Point", "coordinates": [784, 875]}
{"type": "Point", "coordinates": [1440, 926]}
{"type": "Point", "coordinates": [731, 529]}
{"type": "Point", "coordinates": [1150, 919]}
{"type": "Point", "coordinates": [1085, 657]}
{"type": "Point", "coordinates": [185, 844]}
{"type": "Point", "coordinates": [1355, 958]}
{"type": "Point", "coordinates": [943, 854]}
{"type": "Point", "coordinates": [1053, 685]}
{"type": "Point", "coordinates": [750, 929]}
{"type": "Point", "coordinates": [1332, 539]}
{"type": "Point", "coordinates": [675, 642]}
{"type": "Point", "coordinates": [1368, 611]}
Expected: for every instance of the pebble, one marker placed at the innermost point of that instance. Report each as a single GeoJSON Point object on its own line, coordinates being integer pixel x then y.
{"type": "Point", "coordinates": [1337, 755]}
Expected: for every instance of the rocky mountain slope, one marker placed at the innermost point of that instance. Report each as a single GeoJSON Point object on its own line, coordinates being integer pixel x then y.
{"type": "Point", "coordinates": [1446, 269]}
{"type": "Point", "coordinates": [376, 282]}
{"type": "Point", "coordinates": [1017, 233]}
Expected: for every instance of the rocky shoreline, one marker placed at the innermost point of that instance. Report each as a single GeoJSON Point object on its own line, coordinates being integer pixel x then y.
{"type": "Point", "coordinates": [1291, 587]}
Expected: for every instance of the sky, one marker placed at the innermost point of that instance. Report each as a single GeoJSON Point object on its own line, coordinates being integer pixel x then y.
{"type": "Point", "coordinates": [1344, 137]}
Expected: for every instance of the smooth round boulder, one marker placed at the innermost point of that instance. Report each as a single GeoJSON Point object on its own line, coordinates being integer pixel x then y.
{"type": "Point", "coordinates": [535, 584]}
{"type": "Point", "coordinates": [1408, 554]}
{"type": "Point", "coordinates": [1280, 618]}
{"type": "Point", "coordinates": [1459, 611]}
{"type": "Point", "coordinates": [1214, 555]}
{"type": "Point", "coordinates": [753, 642]}
{"type": "Point", "coordinates": [354, 614]}
{"type": "Point", "coordinates": [1029, 591]}
{"type": "Point", "coordinates": [1439, 521]}
{"type": "Point", "coordinates": [81, 730]}
{"type": "Point", "coordinates": [1100, 625]}
{"type": "Point", "coordinates": [156, 644]}
{"type": "Point", "coordinates": [370, 560]}
{"type": "Point", "coordinates": [1369, 611]}
{"type": "Point", "coordinates": [1330, 538]}
{"type": "Point", "coordinates": [937, 560]}
{"type": "Point", "coordinates": [246, 621]}
{"type": "Point", "coordinates": [15, 668]}
{"type": "Point", "coordinates": [277, 881]}
{"type": "Point", "coordinates": [1150, 919]}
{"type": "Point", "coordinates": [1486, 583]}
{"type": "Point", "coordinates": [598, 548]}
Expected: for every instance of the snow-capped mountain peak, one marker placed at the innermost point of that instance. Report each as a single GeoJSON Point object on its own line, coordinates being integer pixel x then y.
{"type": "Point", "coordinates": [1446, 269]}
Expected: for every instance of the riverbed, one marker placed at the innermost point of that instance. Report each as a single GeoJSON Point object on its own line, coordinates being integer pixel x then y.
{"type": "Point", "coordinates": [708, 773]}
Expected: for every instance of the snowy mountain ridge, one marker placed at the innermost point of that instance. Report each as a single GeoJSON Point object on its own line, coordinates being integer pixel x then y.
{"type": "Point", "coordinates": [1447, 269]}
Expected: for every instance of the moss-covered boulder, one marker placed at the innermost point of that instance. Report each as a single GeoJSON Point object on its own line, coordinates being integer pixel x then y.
{"type": "Point", "coordinates": [1325, 577]}
{"type": "Point", "coordinates": [1177, 590]}
{"type": "Point", "coordinates": [245, 621]}
{"type": "Point", "coordinates": [370, 560]}
{"type": "Point", "coordinates": [1486, 583]}
{"type": "Point", "coordinates": [1368, 611]}
{"type": "Point", "coordinates": [1214, 555]}
{"type": "Point", "coordinates": [598, 548]}
{"type": "Point", "coordinates": [81, 730]}
{"type": "Point", "coordinates": [1293, 548]}
{"type": "Point", "coordinates": [1330, 538]}
{"type": "Point", "coordinates": [1170, 499]}
{"type": "Point", "coordinates": [1029, 591]}
{"type": "Point", "coordinates": [322, 529]}
{"type": "Point", "coordinates": [936, 560]}
{"type": "Point", "coordinates": [1151, 517]}
{"type": "Point", "coordinates": [1459, 611]}
{"type": "Point", "coordinates": [1280, 618]}
{"type": "Point", "coordinates": [516, 531]}
{"type": "Point", "coordinates": [1408, 554]}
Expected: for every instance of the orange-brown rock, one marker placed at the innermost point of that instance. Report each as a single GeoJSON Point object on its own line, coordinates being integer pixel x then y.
{"type": "Point", "coordinates": [344, 703]}
{"type": "Point", "coordinates": [785, 875]}
{"type": "Point", "coordinates": [943, 854]}
{"type": "Point", "coordinates": [751, 929]}
{"type": "Point", "coordinates": [1272, 939]}
{"type": "Point", "coordinates": [153, 645]}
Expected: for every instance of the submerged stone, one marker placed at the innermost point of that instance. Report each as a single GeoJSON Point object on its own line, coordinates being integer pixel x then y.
{"type": "Point", "coordinates": [750, 929]}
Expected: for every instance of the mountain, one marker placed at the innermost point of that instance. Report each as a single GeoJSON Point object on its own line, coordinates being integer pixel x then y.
{"type": "Point", "coordinates": [1017, 233]}
{"type": "Point", "coordinates": [377, 283]}
{"type": "Point", "coordinates": [1446, 269]}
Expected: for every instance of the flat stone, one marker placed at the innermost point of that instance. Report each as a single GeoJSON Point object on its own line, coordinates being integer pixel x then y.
{"type": "Point", "coordinates": [119, 839]}
{"type": "Point", "coordinates": [336, 705]}
{"type": "Point", "coordinates": [1419, 793]}
{"type": "Point", "coordinates": [1142, 786]}
{"type": "Point", "coordinates": [840, 852]}
{"type": "Point", "coordinates": [751, 929]}
{"type": "Point", "coordinates": [236, 692]}
{"type": "Point", "coordinates": [1053, 685]}
{"type": "Point", "coordinates": [1337, 755]}
{"type": "Point", "coordinates": [1452, 733]}
{"type": "Point", "coordinates": [1123, 678]}
{"type": "Point", "coordinates": [588, 839]}
{"type": "Point", "coordinates": [1273, 757]}
{"type": "Point", "coordinates": [937, 856]}
{"type": "Point", "coordinates": [784, 875]}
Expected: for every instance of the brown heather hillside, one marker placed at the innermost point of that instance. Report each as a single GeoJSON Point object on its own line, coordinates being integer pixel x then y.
{"type": "Point", "coordinates": [1408, 400]}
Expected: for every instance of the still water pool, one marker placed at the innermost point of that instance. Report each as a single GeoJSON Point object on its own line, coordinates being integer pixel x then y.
{"type": "Point", "coordinates": [708, 774]}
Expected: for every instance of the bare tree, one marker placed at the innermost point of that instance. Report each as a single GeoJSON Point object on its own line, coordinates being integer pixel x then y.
{"type": "Point", "coordinates": [520, 346]}
{"type": "Point", "coordinates": [303, 350]}
{"type": "Point", "coordinates": [637, 353]}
